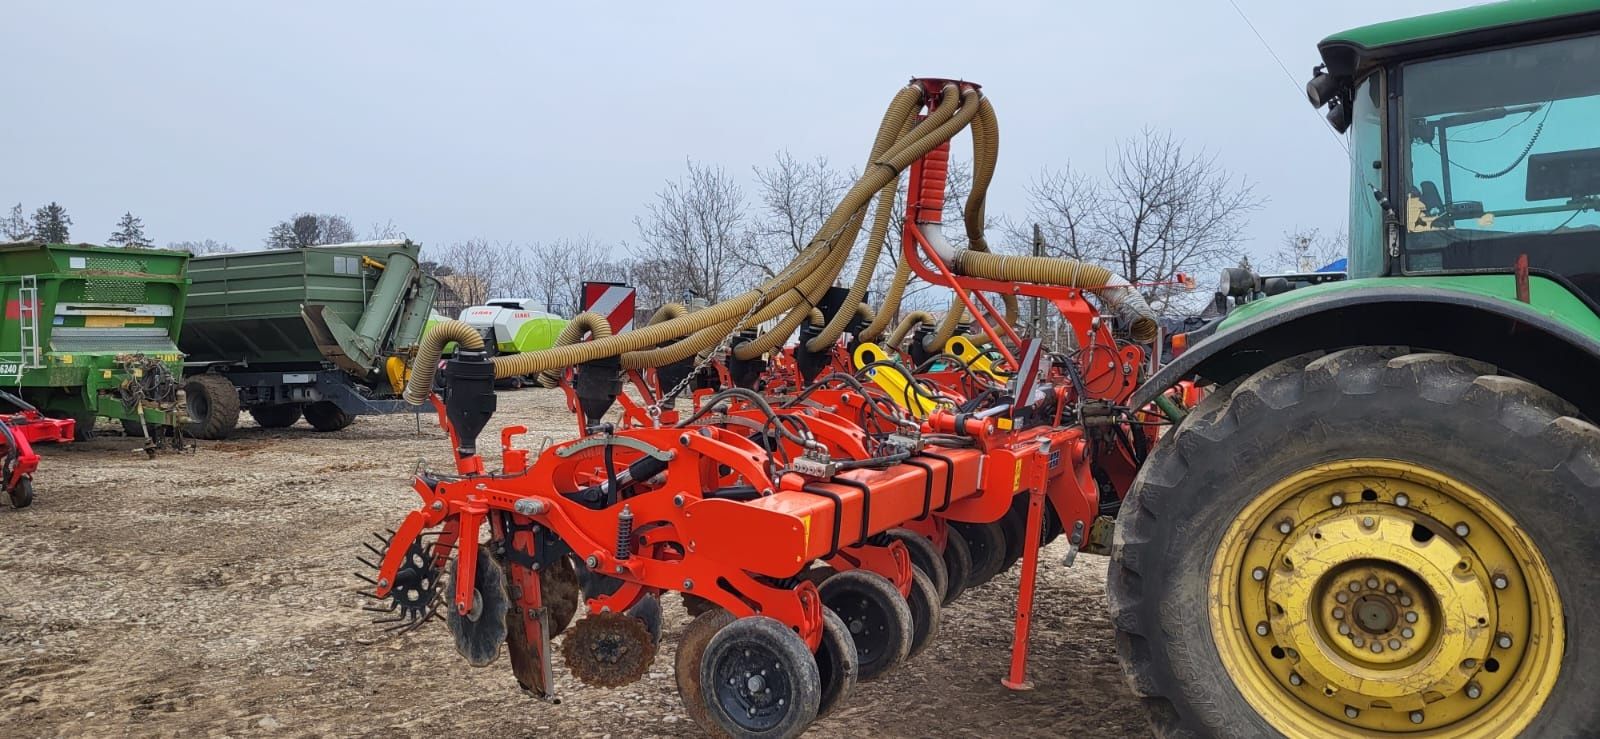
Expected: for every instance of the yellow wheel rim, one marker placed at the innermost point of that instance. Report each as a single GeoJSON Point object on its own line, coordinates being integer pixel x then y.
{"type": "Point", "coordinates": [1378, 597]}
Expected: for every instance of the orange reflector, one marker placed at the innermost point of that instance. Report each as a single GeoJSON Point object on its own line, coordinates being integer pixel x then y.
{"type": "Point", "coordinates": [1179, 343]}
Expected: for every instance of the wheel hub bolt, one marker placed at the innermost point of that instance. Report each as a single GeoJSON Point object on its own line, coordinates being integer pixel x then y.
{"type": "Point", "coordinates": [1285, 527]}
{"type": "Point", "coordinates": [1344, 629]}
{"type": "Point", "coordinates": [1360, 642]}
{"type": "Point", "coordinates": [1411, 617]}
{"type": "Point", "coordinates": [1337, 500]}
{"type": "Point", "coordinates": [1390, 588]}
{"type": "Point", "coordinates": [1372, 583]}
{"type": "Point", "coordinates": [1294, 678]}
{"type": "Point", "coordinates": [1377, 648]}
{"type": "Point", "coordinates": [1473, 691]}
{"type": "Point", "coordinates": [1407, 632]}
{"type": "Point", "coordinates": [1338, 613]}
{"type": "Point", "coordinates": [1258, 574]}
{"type": "Point", "coordinates": [1416, 717]}
{"type": "Point", "coordinates": [1342, 598]}
{"type": "Point", "coordinates": [1368, 522]}
{"type": "Point", "coordinates": [1394, 643]}
{"type": "Point", "coordinates": [1462, 530]}
{"type": "Point", "coordinates": [1500, 582]}
{"type": "Point", "coordinates": [1504, 641]}
{"type": "Point", "coordinates": [1355, 587]}
{"type": "Point", "coordinates": [1351, 712]}
{"type": "Point", "coordinates": [756, 684]}
{"type": "Point", "coordinates": [1261, 628]}
{"type": "Point", "coordinates": [1401, 500]}
{"type": "Point", "coordinates": [1405, 600]}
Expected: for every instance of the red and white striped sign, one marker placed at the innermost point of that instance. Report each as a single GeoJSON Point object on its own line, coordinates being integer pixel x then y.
{"type": "Point", "coordinates": [614, 300]}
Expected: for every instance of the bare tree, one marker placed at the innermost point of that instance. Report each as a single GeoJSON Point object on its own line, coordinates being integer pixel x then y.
{"type": "Point", "coordinates": [310, 229]}
{"type": "Point", "coordinates": [561, 267]}
{"type": "Point", "coordinates": [698, 225]}
{"type": "Point", "coordinates": [1158, 212]}
{"type": "Point", "coordinates": [476, 270]}
{"type": "Point", "coordinates": [384, 231]}
{"type": "Point", "coordinates": [1308, 250]}
{"type": "Point", "coordinates": [16, 226]}
{"type": "Point", "coordinates": [796, 198]}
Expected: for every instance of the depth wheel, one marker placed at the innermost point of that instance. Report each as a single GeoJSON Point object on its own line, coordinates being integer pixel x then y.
{"type": "Point", "coordinates": [22, 494]}
{"type": "Point", "coordinates": [1373, 542]}
{"type": "Point", "coordinates": [926, 557]}
{"type": "Point", "coordinates": [758, 679]}
{"type": "Point", "coordinates": [987, 543]}
{"type": "Point", "coordinates": [878, 618]}
{"type": "Point", "coordinates": [837, 663]}
{"type": "Point", "coordinates": [958, 561]}
{"type": "Point", "coordinates": [686, 663]}
{"type": "Point", "coordinates": [1014, 526]}
{"type": "Point", "coordinates": [925, 613]}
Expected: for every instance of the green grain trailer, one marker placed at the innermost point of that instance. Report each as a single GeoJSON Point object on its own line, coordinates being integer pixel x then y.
{"type": "Point", "coordinates": [323, 332]}
{"type": "Point", "coordinates": [90, 331]}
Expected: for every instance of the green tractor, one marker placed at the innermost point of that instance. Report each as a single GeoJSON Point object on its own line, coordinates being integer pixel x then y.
{"type": "Point", "coordinates": [1381, 519]}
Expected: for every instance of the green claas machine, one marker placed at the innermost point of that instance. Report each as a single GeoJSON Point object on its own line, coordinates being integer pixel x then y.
{"type": "Point", "coordinates": [323, 332]}
{"type": "Point", "coordinates": [1381, 520]}
{"type": "Point", "coordinates": [90, 331]}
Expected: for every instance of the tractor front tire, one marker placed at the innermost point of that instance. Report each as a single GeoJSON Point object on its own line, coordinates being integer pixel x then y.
{"type": "Point", "coordinates": [213, 406]}
{"type": "Point", "coordinates": [324, 415]}
{"type": "Point", "coordinates": [1370, 542]}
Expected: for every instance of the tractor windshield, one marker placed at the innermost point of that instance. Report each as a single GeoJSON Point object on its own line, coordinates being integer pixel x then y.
{"type": "Point", "coordinates": [1503, 159]}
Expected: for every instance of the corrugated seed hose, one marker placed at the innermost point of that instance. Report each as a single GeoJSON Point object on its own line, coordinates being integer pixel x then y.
{"type": "Point", "coordinates": [593, 325]}
{"type": "Point", "coordinates": [674, 334]}
{"type": "Point", "coordinates": [908, 324]}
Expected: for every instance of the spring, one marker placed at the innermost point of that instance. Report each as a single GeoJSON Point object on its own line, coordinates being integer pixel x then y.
{"type": "Point", "coordinates": [624, 532]}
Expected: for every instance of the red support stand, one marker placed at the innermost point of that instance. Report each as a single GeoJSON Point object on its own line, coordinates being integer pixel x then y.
{"type": "Point", "coordinates": [1018, 677]}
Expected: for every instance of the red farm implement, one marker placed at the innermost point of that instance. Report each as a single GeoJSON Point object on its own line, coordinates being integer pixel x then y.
{"type": "Point", "coordinates": [20, 429]}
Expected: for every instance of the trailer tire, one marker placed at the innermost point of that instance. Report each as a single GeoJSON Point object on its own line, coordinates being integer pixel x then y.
{"type": "Point", "coordinates": [1468, 497]}
{"type": "Point", "coordinates": [325, 415]}
{"type": "Point", "coordinates": [279, 416]}
{"type": "Point", "coordinates": [213, 406]}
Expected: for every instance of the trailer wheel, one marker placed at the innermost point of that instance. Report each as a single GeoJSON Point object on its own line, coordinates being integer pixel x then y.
{"type": "Point", "coordinates": [1372, 542]}
{"type": "Point", "coordinates": [276, 416]}
{"type": "Point", "coordinates": [325, 415]}
{"type": "Point", "coordinates": [213, 406]}
{"type": "Point", "coordinates": [958, 561]}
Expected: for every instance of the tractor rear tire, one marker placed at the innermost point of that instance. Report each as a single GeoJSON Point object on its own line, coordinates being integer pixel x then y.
{"type": "Point", "coordinates": [276, 416]}
{"type": "Point", "coordinates": [213, 406]}
{"type": "Point", "coordinates": [1449, 514]}
{"type": "Point", "coordinates": [324, 415]}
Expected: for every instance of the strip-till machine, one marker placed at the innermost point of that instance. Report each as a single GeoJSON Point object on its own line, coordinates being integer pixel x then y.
{"type": "Point", "coordinates": [815, 506]}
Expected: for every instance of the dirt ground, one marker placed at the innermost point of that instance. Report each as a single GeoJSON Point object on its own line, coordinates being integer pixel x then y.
{"type": "Point", "coordinates": [211, 593]}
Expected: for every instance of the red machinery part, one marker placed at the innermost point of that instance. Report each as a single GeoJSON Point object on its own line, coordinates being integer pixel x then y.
{"type": "Point", "coordinates": [19, 431]}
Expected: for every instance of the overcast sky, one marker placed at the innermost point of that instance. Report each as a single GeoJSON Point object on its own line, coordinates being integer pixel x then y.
{"type": "Point", "coordinates": [533, 121]}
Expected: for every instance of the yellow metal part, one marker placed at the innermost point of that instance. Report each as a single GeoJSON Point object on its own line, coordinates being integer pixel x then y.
{"type": "Point", "coordinates": [896, 383]}
{"type": "Point", "coordinates": [398, 371]}
{"type": "Point", "coordinates": [1375, 597]}
{"type": "Point", "coordinates": [97, 321]}
{"type": "Point", "coordinates": [373, 263]}
{"type": "Point", "coordinates": [962, 348]}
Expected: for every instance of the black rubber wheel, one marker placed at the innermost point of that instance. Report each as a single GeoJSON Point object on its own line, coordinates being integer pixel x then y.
{"type": "Point", "coordinates": [877, 615]}
{"type": "Point", "coordinates": [758, 679]}
{"type": "Point", "coordinates": [926, 557]}
{"type": "Point", "coordinates": [131, 427]}
{"type": "Point", "coordinates": [648, 610]}
{"type": "Point", "coordinates": [212, 404]}
{"type": "Point", "coordinates": [22, 494]}
{"type": "Point", "coordinates": [837, 663]}
{"type": "Point", "coordinates": [925, 613]}
{"type": "Point", "coordinates": [987, 544]}
{"type": "Point", "coordinates": [692, 645]}
{"type": "Point", "coordinates": [479, 634]}
{"type": "Point", "coordinates": [82, 423]}
{"type": "Point", "coordinates": [276, 416]}
{"type": "Point", "coordinates": [1014, 525]}
{"type": "Point", "coordinates": [958, 562]}
{"type": "Point", "coordinates": [324, 415]}
{"type": "Point", "coordinates": [1516, 446]}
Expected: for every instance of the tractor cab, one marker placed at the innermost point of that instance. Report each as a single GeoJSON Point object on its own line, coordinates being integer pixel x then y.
{"type": "Point", "coordinates": [1473, 143]}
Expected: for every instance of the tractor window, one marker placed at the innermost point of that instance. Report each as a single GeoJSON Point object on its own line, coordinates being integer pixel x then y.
{"type": "Point", "coordinates": [1366, 151]}
{"type": "Point", "coordinates": [1503, 159]}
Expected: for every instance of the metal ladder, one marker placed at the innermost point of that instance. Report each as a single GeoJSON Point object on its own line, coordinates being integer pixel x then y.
{"type": "Point", "coordinates": [28, 313]}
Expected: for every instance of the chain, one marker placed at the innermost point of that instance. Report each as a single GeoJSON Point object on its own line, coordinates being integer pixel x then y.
{"type": "Point", "coordinates": [667, 398]}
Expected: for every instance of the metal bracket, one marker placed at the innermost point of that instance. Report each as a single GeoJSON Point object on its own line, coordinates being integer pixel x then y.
{"type": "Point", "coordinates": [626, 441]}
{"type": "Point", "coordinates": [1074, 544]}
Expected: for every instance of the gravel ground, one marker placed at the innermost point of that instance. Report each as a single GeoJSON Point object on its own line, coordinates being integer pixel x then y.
{"type": "Point", "coordinates": [211, 593]}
